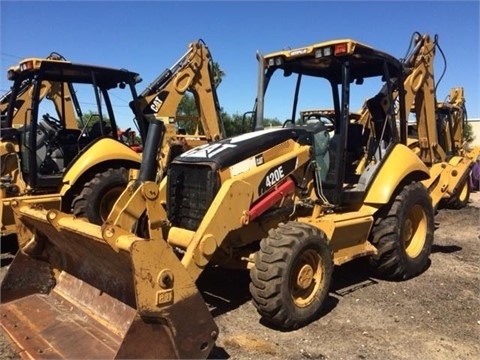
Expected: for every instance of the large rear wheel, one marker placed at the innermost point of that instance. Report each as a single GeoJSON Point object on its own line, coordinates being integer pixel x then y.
{"type": "Point", "coordinates": [98, 196]}
{"type": "Point", "coordinates": [403, 234]}
{"type": "Point", "coordinates": [291, 276]}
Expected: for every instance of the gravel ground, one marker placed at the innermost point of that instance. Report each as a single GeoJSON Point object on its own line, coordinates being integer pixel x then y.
{"type": "Point", "coordinates": [433, 316]}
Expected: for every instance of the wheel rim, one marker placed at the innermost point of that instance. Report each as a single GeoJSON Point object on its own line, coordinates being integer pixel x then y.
{"type": "Point", "coordinates": [306, 278]}
{"type": "Point", "coordinates": [108, 200]}
{"type": "Point", "coordinates": [415, 231]}
{"type": "Point", "coordinates": [463, 193]}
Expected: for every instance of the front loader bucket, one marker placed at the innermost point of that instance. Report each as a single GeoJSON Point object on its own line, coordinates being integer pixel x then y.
{"type": "Point", "coordinates": [79, 298]}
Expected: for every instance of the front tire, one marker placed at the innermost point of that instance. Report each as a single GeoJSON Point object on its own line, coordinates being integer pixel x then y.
{"type": "Point", "coordinates": [403, 234]}
{"type": "Point", "coordinates": [291, 276]}
{"type": "Point", "coordinates": [98, 196]}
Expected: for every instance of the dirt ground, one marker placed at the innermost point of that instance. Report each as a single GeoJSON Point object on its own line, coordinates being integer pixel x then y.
{"type": "Point", "coordinates": [433, 316]}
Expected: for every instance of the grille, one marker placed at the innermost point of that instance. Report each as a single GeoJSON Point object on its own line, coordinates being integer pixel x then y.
{"type": "Point", "coordinates": [190, 191]}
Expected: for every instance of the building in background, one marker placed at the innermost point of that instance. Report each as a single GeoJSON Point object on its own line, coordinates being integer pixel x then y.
{"type": "Point", "coordinates": [476, 131]}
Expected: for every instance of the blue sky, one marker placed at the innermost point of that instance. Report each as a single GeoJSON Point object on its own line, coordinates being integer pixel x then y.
{"type": "Point", "coordinates": [149, 36]}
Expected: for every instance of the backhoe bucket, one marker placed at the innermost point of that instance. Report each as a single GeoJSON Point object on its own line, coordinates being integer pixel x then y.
{"type": "Point", "coordinates": [69, 294]}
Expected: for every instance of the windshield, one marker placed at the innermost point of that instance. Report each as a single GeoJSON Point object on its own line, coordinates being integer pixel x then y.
{"type": "Point", "coordinates": [288, 95]}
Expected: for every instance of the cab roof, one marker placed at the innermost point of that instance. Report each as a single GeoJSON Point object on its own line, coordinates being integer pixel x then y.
{"type": "Point", "coordinates": [325, 59]}
{"type": "Point", "coordinates": [59, 70]}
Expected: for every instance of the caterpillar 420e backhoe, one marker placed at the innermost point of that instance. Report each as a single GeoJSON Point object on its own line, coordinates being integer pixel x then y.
{"type": "Point", "coordinates": [77, 161]}
{"type": "Point", "coordinates": [286, 204]}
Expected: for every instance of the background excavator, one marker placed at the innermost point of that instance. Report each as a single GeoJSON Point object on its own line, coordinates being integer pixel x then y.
{"type": "Point", "coordinates": [437, 139]}
{"type": "Point", "coordinates": [451, 119]}
{"type": "Point", "coordinates": [287, 204]}
{"type": "Point", "coordinates": [78, 161]}
{"type": "Point", "coordinates": [46, 126]}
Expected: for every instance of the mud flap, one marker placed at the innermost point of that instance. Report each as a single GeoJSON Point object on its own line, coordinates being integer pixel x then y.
{"type": "Point", "coordinates": [82, 299]}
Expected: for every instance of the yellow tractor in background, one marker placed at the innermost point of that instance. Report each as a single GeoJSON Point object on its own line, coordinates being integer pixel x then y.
{"type": "Point", "coordinates": [453, 159]}
{"type": "Point", "coordinates": [77, 160]}
{"type": "Point", "coordinates": [451, 119]}
{"type": "Point", "coordinates": [46, 126]}
{"type": "Point", "coordinates": [286, 204]}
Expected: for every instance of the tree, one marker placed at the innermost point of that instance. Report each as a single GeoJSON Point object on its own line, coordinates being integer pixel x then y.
{"type": "Point", "coordinates": [89, 119]}
{"type": "Point", "coordinates": [468, 135]}
{"type": "Point", "coordinates": [187, 106]}
{"type": "Point", "coordinates": [218, 74]}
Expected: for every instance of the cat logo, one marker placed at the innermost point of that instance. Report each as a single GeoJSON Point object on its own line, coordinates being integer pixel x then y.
{"type": "Point", "coordinates": [259, 160]}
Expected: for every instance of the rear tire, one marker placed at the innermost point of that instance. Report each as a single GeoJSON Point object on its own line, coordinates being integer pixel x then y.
{"type": "Point", "coordinates": [291, 276]}
{"type": "Point", "coordinates": [403, 234]}
{"type": "Point", "coordinates": [98, 196]}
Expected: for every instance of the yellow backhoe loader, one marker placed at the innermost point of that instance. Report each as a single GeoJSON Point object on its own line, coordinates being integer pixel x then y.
{"type": "Point", "coordinates": [451, 166]}
{"type": "Point", "coordinates": [83, 167]}
{"type": "Point", "coordinates": [436, 138]}
{"type": "Point", "coordinates": [287, 204]}
{"type": "Point", "coordinates": [39, 149]}
{"type": "Point", "coordinates": [451, 118]}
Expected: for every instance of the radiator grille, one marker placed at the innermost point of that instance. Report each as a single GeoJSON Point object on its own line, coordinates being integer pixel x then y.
{"type": "Point", "coordinates": [191, 189]}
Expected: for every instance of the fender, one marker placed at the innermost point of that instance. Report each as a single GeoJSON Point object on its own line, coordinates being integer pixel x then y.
{"type": "Point", "coordinates": [102, 151]}
{"type": "Point", "coordinates": [400, 164]}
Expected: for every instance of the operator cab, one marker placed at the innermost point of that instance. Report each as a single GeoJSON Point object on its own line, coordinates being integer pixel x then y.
{"type": "Point", "coordinates": [56, 110]}
{"type": "Point", "coordinates": [333, 76]}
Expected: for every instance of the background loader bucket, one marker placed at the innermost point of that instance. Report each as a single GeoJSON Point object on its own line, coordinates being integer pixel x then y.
{"type": "Point", "coordinates": [78, 298]}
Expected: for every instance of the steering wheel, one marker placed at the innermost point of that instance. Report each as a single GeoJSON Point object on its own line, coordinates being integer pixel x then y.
{"type": "Point", "coordinates": [287, 122]}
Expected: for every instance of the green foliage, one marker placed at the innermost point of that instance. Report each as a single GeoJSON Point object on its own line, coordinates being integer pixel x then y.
{"type": "Point", "coordinates": [187, 106]}
{"type": "Point", "coordinates": [239, 124]}
{"type": "Point", "coordinates": [271, 123]}
{"type": "Point", "coordinates": [468, 135]}
{"type": "Point", "coordinates": [233, 124]}
{"type": "Point", "coordinates": [90, 118]}
{"type": "Point", "coordinates": [218, 74]}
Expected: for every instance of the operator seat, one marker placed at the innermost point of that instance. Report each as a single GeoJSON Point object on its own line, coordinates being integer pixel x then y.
{"type": "Point", "coordinates": [374, 106]}
{"type": "Point", "coordinates": [379, 118]}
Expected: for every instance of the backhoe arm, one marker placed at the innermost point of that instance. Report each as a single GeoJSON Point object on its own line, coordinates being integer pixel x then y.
{"type": "Point", "coordinates": [192, 72]}
{"type": "Point", "coordinates": [420, 93]}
